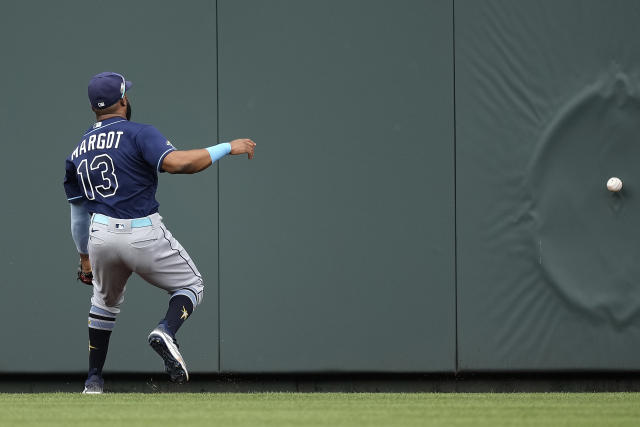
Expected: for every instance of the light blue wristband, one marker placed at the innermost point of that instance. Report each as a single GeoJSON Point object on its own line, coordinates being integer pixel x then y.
{"type": "Point", "coordinates": [219, 151]}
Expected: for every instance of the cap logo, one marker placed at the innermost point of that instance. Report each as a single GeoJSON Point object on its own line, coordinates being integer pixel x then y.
{"type": "Point", "coordinates": [100, 104]}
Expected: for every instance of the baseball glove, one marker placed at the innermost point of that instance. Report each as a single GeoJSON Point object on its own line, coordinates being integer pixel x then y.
{"type": "Point", "coordinates": [86, 278]}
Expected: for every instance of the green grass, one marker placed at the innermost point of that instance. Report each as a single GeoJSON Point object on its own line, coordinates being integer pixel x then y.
{"type": "Point", "coordinates": [321, 409]}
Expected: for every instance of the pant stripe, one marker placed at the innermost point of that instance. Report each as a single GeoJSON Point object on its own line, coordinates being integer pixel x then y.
{"type": "Point", "coordinates": [101, 312]}
{"type": "Point", "coordinates": [101, 319]}
{"type": "Point", "coordinates": [179, 253]}
{"type": "Point", "coordinates": [106, 325]}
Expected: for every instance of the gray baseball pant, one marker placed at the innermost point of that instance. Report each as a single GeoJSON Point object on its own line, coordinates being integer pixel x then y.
{"type": "Point", "coordinates": [119, 247]}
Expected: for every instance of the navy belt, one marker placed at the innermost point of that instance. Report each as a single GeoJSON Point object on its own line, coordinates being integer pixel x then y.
{"type": "Point", "coordinates": [135, 223]}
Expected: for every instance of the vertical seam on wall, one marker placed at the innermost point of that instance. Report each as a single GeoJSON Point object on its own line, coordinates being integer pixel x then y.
{"type": "Point", "coordinates": [455, 186]}
{"type": "Point", "coordinates": [218, 180]}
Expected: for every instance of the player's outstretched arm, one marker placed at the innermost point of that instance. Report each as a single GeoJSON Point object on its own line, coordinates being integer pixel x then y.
{"type": "Point", "coordinates": [193, 161]}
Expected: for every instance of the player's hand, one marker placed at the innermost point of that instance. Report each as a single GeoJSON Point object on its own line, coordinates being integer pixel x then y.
{"type": "Point", "coordinates": [86, 278]}
{"type": "Point", "coordinates": [243, 146]}
{"type": "Point", "coordinates": [84, 270]}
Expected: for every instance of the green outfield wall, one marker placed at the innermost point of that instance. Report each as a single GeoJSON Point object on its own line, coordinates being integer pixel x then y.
{"type": "Point", "coordinates": [428, 192]}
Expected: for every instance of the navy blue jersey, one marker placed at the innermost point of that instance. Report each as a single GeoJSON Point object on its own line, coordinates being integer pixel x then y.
{"type": "Point", "coordinates": [115, 168]}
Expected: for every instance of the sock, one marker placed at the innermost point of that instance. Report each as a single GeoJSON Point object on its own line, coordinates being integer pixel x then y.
{"type": "Point", "coordinates": [180, 308]}
{"type": "Point", "coordinates": [101, 323]}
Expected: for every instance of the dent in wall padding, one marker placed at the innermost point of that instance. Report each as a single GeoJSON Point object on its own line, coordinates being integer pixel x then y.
{"type": "Point", "coordinates": [587, 238]}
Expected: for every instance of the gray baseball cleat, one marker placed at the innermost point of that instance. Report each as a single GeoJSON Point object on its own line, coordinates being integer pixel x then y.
{"type": "Point", "coordinates": [93, 385]}
{"type": "Point", "coordinates": [165, 344]}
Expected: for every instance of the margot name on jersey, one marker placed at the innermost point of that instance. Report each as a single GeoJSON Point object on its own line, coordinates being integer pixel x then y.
{"type": "Point", "coordinates": [101, 141]}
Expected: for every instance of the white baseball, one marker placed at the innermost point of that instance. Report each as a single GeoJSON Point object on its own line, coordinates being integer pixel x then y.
{"type": "Point", "coordinates": [614, 184]}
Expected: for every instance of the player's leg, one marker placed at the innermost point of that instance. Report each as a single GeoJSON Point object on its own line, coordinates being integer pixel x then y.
{"type": "Point", "coordinates": [166, 264]}
{"type": "Point", "coordinates": [101, 323]}
{"type": "Point", "coordinates": [181, 305]}
{"type": "Point", "coordinates": [163, 338]}
{"type": "Point", "coordinates": [110, 275]}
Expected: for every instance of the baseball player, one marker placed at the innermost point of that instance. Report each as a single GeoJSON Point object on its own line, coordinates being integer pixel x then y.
{"type": "Point", "coordinates": [111, 180]}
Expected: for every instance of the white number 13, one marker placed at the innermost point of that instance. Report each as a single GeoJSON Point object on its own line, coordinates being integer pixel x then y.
{"type": "Point", "coordinates": [108, 184]}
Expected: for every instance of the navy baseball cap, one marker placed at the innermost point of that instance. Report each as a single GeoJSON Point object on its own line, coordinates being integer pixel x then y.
{"type": "Point", "coordinates": [105, 89]}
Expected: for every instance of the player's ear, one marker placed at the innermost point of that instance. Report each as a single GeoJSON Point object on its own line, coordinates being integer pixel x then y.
{"type": "Point", "coordinates": [123, 101]}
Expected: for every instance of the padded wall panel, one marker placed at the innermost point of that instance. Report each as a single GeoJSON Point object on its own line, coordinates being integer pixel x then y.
{"type": "Point", "coordinates": [50, 51]}
{"type": "Point", "coordinates": [548, 101]}
{"type": "Point", "coordinates": [337, 239]}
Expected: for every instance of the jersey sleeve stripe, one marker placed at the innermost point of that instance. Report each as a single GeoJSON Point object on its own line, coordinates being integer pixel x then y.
{"type": "Point", "coordinates": [162, 157]}
{"type": "Point", "coordinates": [74, 198]}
